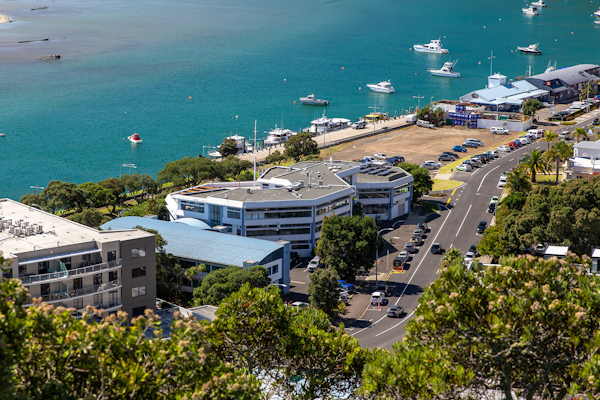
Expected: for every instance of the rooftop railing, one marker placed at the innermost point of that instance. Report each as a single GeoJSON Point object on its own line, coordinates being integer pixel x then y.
{"type": "Point", "coordinates": [82, 291]}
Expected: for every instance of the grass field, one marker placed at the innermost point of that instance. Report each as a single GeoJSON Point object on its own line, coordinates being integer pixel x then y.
{"type": "Point", "coordinates": [443, 184]}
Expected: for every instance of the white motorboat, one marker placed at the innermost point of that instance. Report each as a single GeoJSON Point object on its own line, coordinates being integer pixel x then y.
{"type": "Point", "coordinates": [278, 136]}
{"type": "Point", "coordinates": [447, 70]}
{"type": "Point", "coordinates": [539, 3]}
{"type": "Point", "coordinates": [312, 101]}
{"type": "Point", "coordinates": [531, 49]}
{"type": "Point", "coordinates": [530, 11]}
{"type": "Point", "coordinates": [382, 87]}
{"type": "Point", "coordinates": [597, 13]}
{"type": "Point", "coordinates": [135, 138]}
{"type": "Point", "coordinates": [435, 46]}
{"type": "Point", "coordinates": [597, 22]}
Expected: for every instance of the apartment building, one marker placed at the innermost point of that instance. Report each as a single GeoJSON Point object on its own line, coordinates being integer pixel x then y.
{"type": "Point", "coordinates": [72, 265]}
{"type": "Point", "coordinates": [289, 203]}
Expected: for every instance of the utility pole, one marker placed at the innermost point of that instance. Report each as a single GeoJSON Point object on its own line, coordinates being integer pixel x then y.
{"type": "Point", "coordinates": [418, 97]}
{"type": "Point", "coordinates": [491, 58]}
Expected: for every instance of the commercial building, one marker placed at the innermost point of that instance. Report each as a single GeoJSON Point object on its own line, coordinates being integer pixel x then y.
{"type": "Point", "coordinates": [289, 203]}
{"type": "Point", "coordinates": [193, 242]}
{"type": "Point", "coordinates": [565, 84]}
{"type": "Point", "coordinates": [71, 265]}
{"type": "Point", "coordinates": [585, 161]}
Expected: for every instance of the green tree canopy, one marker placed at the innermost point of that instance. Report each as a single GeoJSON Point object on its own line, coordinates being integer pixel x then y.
{"type": "Point", "coordinates": [275, 157]}
{"type": "Point", "coordinates": [579, 133]}
{"type": "Point", "coordinates": [560, 151]}
{"type": "Point", "coordinates": [549, 137]}
{"type": "Point", "coordinates": [422, 183]}
{"type": "Point", "coordinates": [222, 283]}
{"type": "Point", "coordinates": [228, 148]}
{"type": "Point", "coordinates": [490, 244]}
{"type": "Point", "coordinates": [531, 106]}
{"type": "Point", "coordinates": [534, 162]}
{"type": "Point", "coordinates": [300, 145]}
{"type": "Point", "coordinates": [324, 291]}
{"type": "Point", "coordinates": [233, 166]}
{"type": "Point", "coordinates": [90, 217]}
{"type": "Point", "coordinates": [517, 181]}
{"type": "Point", "coordinates": [347, 244]}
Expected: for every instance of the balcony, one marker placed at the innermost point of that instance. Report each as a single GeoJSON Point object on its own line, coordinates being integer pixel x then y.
{"type": "Point", "coordinates": [58, 275]}
{"type": "Point", "coordinates": [53, 297]}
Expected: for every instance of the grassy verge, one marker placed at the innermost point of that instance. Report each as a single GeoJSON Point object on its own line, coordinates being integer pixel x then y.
{"type": "Point", "coordinates": [431, 207]}
{"type": "Point", "coordinates": [443, 184]}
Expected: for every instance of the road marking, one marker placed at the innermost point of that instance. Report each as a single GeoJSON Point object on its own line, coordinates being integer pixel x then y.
{"type": "Point", "coordinates": [437, 272]}
{"type": "Point", "coordinates": [538, 147]}
{"type": "Point", "coordinates": [302, 283]}
{"type": "Point", "coordinates": [486, 177]}
{"type": "Point", "coordinates": [448, 200]}
{"type": "Point", "coordinates": [451, 246]}
{"type": "Point", "coordinates": [399, 323]}
{"type": "Point", "coordinates": [400, 271]}
{"type": "Point", "coordinates": [463, 221]}
{"type": "Point", "coordinates": [453, 192]}
{"type": "Point", "coordinates": [511, 159]}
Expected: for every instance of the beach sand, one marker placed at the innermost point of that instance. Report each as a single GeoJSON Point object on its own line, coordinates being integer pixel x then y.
{"type": "Point", "coordinates": [3, 19]}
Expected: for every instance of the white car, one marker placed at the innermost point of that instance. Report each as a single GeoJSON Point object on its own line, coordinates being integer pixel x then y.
{"type": "Point", "coordinates": [299, 304]}
{"type": "Point", "coordinates": [436, 163]}
{"type": "Point", "coordinates": [369, 159]}
{"type": "Point", "coordinates": [502, 181]}
{"type": "Point", "coordinates": [359, 124]}
{"type": "Point", "coordinates": [377, 298]}
{"type": "Point", "coordinates": [380, 156]}
{"type": "Point", "coordinates": [504, 148]}
{"type": "Point", "coordinates": [464, 167]}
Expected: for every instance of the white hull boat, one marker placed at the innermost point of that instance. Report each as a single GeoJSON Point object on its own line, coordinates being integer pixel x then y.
{"type": "Point", "coordinates": [435, 46]}
{"type": "Point", "coordinates": [382, 87]}
{"type": "Point", "coordinates": [597, 13]}
{"type": "Point", "coordinates": [531, 49]}
{"type": "Point", "coordinates": [278, 136]}
{"type": "Point", "coordinates": [597, 22]}
{"type": "Point", "coordinates": [539, 3]}
{"type": "Point", "coordinates": [530, 11]}
{"type": "Point", "coordinates": [447, 70]}
{"type": "Point", "coordinates": [312, 101]}
{"type": "Point", "coordinates": [135, 138]}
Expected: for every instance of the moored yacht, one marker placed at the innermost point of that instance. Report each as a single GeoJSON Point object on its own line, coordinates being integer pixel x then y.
{"type": "Point", "coordinates": [530, 11]}
{"type": "Point", "coordinates": [382, 87]}
{"type": "Point", "coordinates": [531, 49]}
{"type": "Point", "coordinates": [278, 136]}
{"type": "Point", "coordinates": [312, 101]}
{"type": "Point", "coordinates": [597, 13]}
{"type": "Point", "coordinates": [435, 46]}
{"type": "Point", "coordinates": [447, 70]}
{"type": "Point", "coordinates": [135, 138]}
{"type": "Point", "coordinates": [539, 3]}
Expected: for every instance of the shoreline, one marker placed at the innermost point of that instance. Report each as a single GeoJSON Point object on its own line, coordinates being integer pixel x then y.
{"type": "Point", "coordinates": [4, 18]}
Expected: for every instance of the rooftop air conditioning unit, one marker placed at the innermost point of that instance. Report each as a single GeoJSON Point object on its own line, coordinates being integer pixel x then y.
{"type": "Point", "coordinates": [40, 228]}
{"type": "Point", "coordinates": [320, 182]}
{"type": "Point", "coordinates": [11, 229]}
{"type": "Point", "coordinates": [17, 231]}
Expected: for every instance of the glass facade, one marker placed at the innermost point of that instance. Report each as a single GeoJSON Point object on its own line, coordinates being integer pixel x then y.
{"type": "Point", "coordinates": [234, 213]}
{"type": "Point", "coordinates": [277, 232]}
{"type": "Point", "coordinates": [373, 193]}
{"type": "Point", "coordinates": [277, 214]}
{"type": "Point", "coordinates": [194, 207]}
{"type": "Point", "coordinates": [375, 208]}
{"type": "Point", "coordinates": [332, 206]}
{"type": "Point", "coordinates": [401, 189]}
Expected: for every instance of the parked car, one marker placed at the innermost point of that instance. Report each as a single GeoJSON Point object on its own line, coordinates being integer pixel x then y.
{"type": "Point", "coordinates": [464, 167]}
{"type": "Point", "coordinates": [314, 264]}
{"type": "Point", "coordinates": [504, 148]}
{"type": "Point", "coordinates": [502, 182]}
{"type": "Point", "coordinates": [368, 159]}
{"type": "Point", "coordinates": [348, 287]}
{"type": "Point", "coordinates": [431, 165]}
{"type": "Point", "coordinates": [460, 149]}
{"type": "Point", "coordinates": [410, 248]}
{"type": "Point", "coordinates": [481, 227]}
{"type": "Point", "coordinates": [423, 225]}
{"type": "Point", "coordinates": [400, 260]}
{"type": "Point", "coordinates": [425, 124]}
{"type": "Point", "coordinates": [596, 121]}
{"type": "Point", "coordinates": [419, 232]}
{"type": "Point", "coordinates": [445, 157]}
{"type": "Point", "coordinates": [479, 142]}
{"type": "Point", "coordinates": [470, 144]}
{"type": "Point", "coordinates": [469, 162]}
{"type": "Point", "coordinates": [395, 311]}
{"type": "Point", "coordinates": [492, 207]}
{"type": "Point", "coordinates": [378, 298]}
{"type": "Point", "coordinates": [437, 248]}
{"type": "Point", "coordinates": [380, 156]}
{"type": "Point", "coordinates": [411, 118]}
{"type": "Point", "coordinates": [416, 240]}
{"type": "Point", "coordinates": [469, 257]}
{"type": "Point", "coordinates": [482, 157]}
{"type": "Point", "coordinates": [473, 248]}
{"type": "Point", "coordinates": [496, 130]}
{"type": "Point", "coordinates": [492, 153]}
{"type": "Point", "coordinates": [476, 162]}
{"type": "Point", "coordinates": [359, 124]}
{"type": "Point", "coordinates": [299, 304]}
{"type": "Point", "coordinates": [395, 160]}
{"type": "Point", "coordinates": [495, 199]}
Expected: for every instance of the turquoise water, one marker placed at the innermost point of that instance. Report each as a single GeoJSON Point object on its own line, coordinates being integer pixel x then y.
{"type": "Point", "coordinates": [131, 66]}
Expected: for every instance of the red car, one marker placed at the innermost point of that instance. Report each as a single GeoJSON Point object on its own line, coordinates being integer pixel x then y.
{"type": "Point", "coordinates": [512, 145]}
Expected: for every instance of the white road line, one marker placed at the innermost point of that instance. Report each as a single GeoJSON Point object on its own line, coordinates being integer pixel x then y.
{"type": "Point", "coordinates": [437, 272]}
{"type": "Point", "coordinates": [451, 246]}
{"type": "Point", "coordinates": [538, 147]}
{"type": "Point", "coordinates": [486, 177]}
{"type": "Point", "coordinates": [511, 159]}
{"type": "Point", "coordinates": [463, 221]}
{"type": "Point", "coordinates": [405, 318]}
{"type": "Point", "coordinates": [302, 283]}
{"type": "Point", "coordinates": [364, 329]}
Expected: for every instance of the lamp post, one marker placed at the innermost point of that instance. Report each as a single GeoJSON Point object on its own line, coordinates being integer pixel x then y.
{"type": "Point", "coordinates": [126, 166]}
{"type": "Point", "coordinates": [588, 95]}
{"type": "Point", "coordinates": [491, 58]}
{"type": "Point", "coordinates": [377, 255]}
{"type": "Point", "coordinates": [431, 102]}
{"type": "Point", "coordinates": [418, 97]}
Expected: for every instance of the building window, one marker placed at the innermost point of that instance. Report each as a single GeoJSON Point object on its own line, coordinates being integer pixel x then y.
{"type": "Point", "coordinates": [45, 289]}
{"type": "Point", "coordinates": [375, 208]}
{"type": "Point", "coordinates": [97, 279]}
{"type": "Point", "coordinates": [373, 194]}
{"type": "Point", "coordinates": [277, 232]}
{"type": "Point", "coordinates": [111, 256]}
{"type": "Point", "coordinates": [22, 270]}
{"type": "Point", "coordinates": [66, 262]}
{"type": "Point", "coordinates": [43, 267]}
{"type": "Point", "coordinates": [137, 311]}
{"type": "Point", "coordinates": [300, 246]}
{"type": "Point", "coordinates": [78, 303]}
{"type": "Point", "coordinates": [137, 253]}
{"type": "Point", "coordinates": [193, 207]}
{"type": "Point", "coordinates": [138, 291]}
{"type": "Point", "coordinates": [7, 273]}
{"type": "Point", "coordinates": [137, 272]}
{"type": "Point", "coordinates": [97, 300]}
{"type": "Point", "coordinates": [332, 206]}
{"type": "Point", "coordinates": [401, 189]}
{"type": "Point", "coordinates": [113, 275]}
{"type": "Point", "coordinates": [274, 269]}
{"type": "Point", "coordinates": [234, 214]}
{"type": "Point", "coordinates": [77, 283]}
{"type": "Point", "coordinates": [281, 214]}
{"type": "Point", "coordinates": [87, 257]}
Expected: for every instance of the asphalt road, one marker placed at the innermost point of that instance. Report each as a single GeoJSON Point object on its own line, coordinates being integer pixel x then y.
{"type": "Point", "coordinates": [455, 225]}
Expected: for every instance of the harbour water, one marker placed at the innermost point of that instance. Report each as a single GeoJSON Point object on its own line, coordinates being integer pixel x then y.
{"type": "Point", "coordinates": [184, 74]}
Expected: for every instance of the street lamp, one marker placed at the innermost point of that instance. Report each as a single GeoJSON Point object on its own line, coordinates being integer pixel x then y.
{"type": "Point", "coordinates": [126, 166]}
{"type": "Point", "coordinates": [418, 97]}
{"type": "Point", "coordinates": [377, 255]}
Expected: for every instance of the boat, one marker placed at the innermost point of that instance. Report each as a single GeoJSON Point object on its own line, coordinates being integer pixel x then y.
{"type": "Point", "coordinates": [2, 134]}
{"type": "Point", "coordinates": [135, 138]}
{"type": "Point", "coordinates": [312, 101]}
{"type": "Point", "coordinates": [597, 21]}
{"type": "Point", "coordinates": [278, 136]}
{"type": "Point", "coordinates": [597, 13]}
{"type": "Point", "coordinates": [50, 57]}
{"type": "Point", "coordinates": [382, 87]}
{"type": "Point", "coordinates": [435, 46]}
{"type": "Point", "coordinates": [530, 11]}
{"type": "Point", "coordinates": [447, 70]}
{"type": "Point", "coordinates": [539, 3]}
{"type": "Point", "coordinates": [550, 67]}
{"type": "Point", "coordinates": [531, 49]}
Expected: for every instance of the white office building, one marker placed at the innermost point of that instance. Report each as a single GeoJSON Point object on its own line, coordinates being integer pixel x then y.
{"type": "Point", "coordinates": [289, 203]}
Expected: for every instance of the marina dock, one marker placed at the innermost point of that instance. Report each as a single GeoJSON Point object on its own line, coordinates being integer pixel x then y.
{"type": "Point", "coordinates": [341, 136]}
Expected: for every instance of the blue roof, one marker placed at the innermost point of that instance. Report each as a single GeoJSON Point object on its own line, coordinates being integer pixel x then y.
{"type": "Point", "coordinates": [195, 243]}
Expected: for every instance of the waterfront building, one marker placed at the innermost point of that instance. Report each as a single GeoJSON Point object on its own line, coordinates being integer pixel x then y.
{"type": "Point", "coordinates": [565, 84]}
{"type": "Point", "coordinates": [584, 163]}
{"type": "Point", "coordinates": [289, 203]}
{"type": "Point", "coordinates": [193, 242]}
{"type": "Point", "coordinates": [71, 265]}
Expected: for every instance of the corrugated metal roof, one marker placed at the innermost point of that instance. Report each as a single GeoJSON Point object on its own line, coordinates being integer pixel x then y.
{"type": "Point", "coordinates": [499, 93]}
{"type": "Point", "coordinates": [570, 75]}
{"type": "Point", "coordinates": [200, 244]}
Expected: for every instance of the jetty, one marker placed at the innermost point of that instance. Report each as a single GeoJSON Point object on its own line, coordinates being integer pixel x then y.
{"type": "Point", "coordinates": [341, 136]}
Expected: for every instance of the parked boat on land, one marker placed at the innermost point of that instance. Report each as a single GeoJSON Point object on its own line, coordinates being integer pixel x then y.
{"type": "Point", "coordinates": [531, 49]}
{"type": "Point", "coordinates": [135, 138]}
{"type": "Point", "coordinates": [382, 87]}
{"type": "Point", "coordinates": [312, 101]}
{"type": "Point", "coordinates": [530, 11]}
{"type": "Point", "coordinates": [435, 46]}
{"type": "Point", "coordinates": [447, 70]}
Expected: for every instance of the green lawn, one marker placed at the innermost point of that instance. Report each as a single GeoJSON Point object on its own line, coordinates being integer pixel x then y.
{"type": "Point", "coordinates": [443, 184]}
{"type": "Point", "coordinates": [431, 207]}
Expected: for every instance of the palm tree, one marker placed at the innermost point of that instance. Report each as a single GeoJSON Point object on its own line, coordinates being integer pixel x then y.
{"type": "Point", "coordinates": [517, 181]}
{"type": "Point", "coordinates": [579, 132]}
{"type": "Point", "coordinates": [451, 255]}
{"type": "Point", "coordinates": [191, 272]}
{"type": "Point", "coordinates": [549, 137]}
{"type": "Point", "coordinates": [560, 151]}
{"type": "Point", "coordinates": [534, 162]}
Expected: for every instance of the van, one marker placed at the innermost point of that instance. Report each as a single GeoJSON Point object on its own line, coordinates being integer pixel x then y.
{"type": "Point", "coordinates": [498, 130]}
{"type": "Point", "coordinates": [579, 104]}
{"type": "Point", "coordinates": [533, 133]}
{"type": "Point", "coordinates": [425, 124]}
{"type": "Point", "coordinates": [411, 118]}
{"type": "Point", "coordinates": [359, 124]}
{"type": "Point", "coordinates": [314, 264]}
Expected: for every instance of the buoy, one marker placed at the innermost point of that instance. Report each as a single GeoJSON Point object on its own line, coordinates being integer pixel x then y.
{"type": "Point", "coordinates": [556, 40]}
{"type": "Point", "coordinates": [342, 67]}
{"type": "Point", "coordinates": [294, 101]}
{"type": "Point", "coordinates": [415, 73]}
{"type": "Point", "coordinates": [359, 88]}
{"type": "Point", "coordinates": [511, 51]}
{"type": "Point", "coordinates": [571, 33]}
{"type": "Point", "coordinates": [284, 79]}
{"type": "Point", "coordinates": [499, 19]}
{"type": "Point", "coordinates": [484, 27]}
{"type": "Point", "coordinates": [444, 37]}
{"type": "Point", "coordinates": [190, 97]}
{"type": "Point", "coordinates": [410, 49]}
{"type": "Point", "coordinates": [479, 63]}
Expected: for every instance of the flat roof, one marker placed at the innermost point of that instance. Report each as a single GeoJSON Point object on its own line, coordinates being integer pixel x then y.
{"type": "Point", "coordinates": [596, 252]}
{"type": "Point", "coordinates": [570, 75]}
{"type": "Point", "coordinates": [195, 243]}
{"type": "Point", "coordinates": [554, 250]}
{"type": "Point", "coordinates": [57, 231]}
